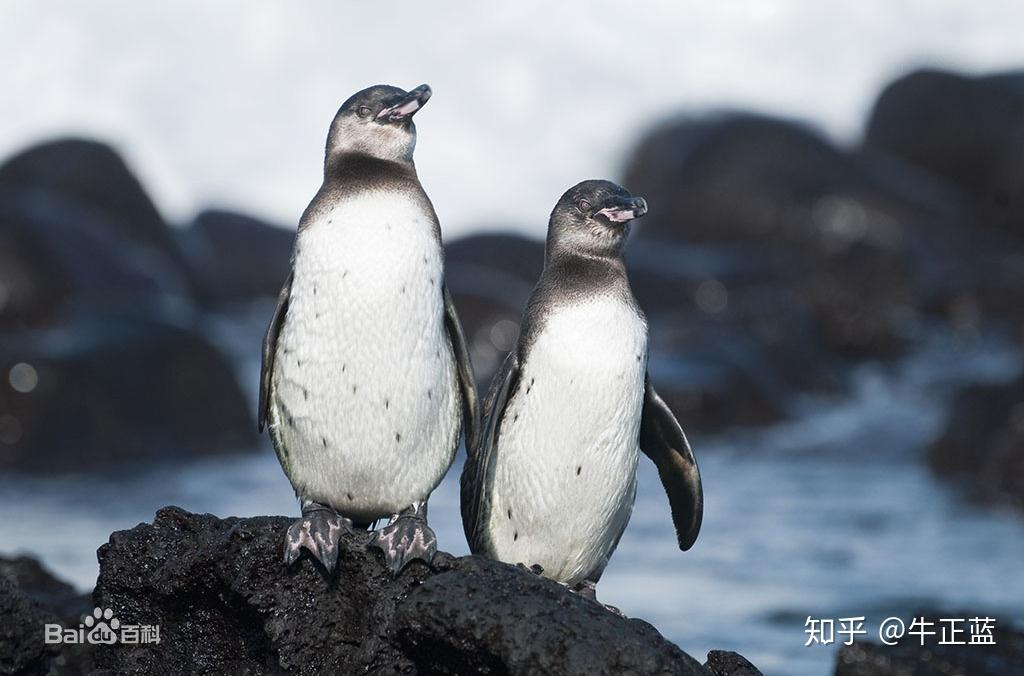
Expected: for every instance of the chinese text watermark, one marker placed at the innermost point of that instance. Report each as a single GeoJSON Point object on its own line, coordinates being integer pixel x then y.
{"type": "Point", "coordinates": [944, 631]}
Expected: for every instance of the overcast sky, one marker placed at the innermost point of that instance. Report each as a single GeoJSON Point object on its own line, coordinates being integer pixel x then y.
{"type": "Point", "coordinates": [228, 103]}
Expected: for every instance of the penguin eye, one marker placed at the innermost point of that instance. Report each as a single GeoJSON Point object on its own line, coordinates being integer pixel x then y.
{"type": "Point", "coordinates": [583, 205]}
{"type": "Point", "coordinates": [364, 111]}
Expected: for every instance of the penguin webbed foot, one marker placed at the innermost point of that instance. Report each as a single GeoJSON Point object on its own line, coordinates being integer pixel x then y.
{"type": "Point", "coordinates": [317, 531]}
{"type": "Point", "coordinates": [405, 539]}
{"type": "Point", "coordinates": [588, 590]}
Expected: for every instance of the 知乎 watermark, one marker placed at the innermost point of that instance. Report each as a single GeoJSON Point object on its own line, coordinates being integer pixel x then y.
{"type": "Point", "coordinates": [944, 631]}
{"type": "Point", "coordinates": [102, 627]}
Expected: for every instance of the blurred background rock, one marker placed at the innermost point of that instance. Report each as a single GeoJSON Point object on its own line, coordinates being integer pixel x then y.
{"type": "Point", "coordinates": [832, 267]}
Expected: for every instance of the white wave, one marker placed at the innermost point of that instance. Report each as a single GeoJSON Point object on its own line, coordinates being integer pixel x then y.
{"type": "Point", "coordinates": [228, 103]}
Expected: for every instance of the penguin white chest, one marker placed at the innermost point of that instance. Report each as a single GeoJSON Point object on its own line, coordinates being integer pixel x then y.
{"type": "Point", "coordinates": [365, 399]}
{"type": "Point", "coordinates": [565, 473]}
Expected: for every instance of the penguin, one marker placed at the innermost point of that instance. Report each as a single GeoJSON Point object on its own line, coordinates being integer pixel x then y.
{"type": "Point", "coordinates": [366, 381]}
{"type": "Point", "coordinates": [553, 481]}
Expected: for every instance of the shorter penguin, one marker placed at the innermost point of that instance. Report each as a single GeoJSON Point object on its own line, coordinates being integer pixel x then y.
{"type": "Point", "coordinates": [553, 480]}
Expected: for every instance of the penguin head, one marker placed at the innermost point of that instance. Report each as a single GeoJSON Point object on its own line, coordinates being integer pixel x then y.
{"type": "Point", "coordinates": [377, 121]}
{"type": "Point", "coordinates": [593, 217]}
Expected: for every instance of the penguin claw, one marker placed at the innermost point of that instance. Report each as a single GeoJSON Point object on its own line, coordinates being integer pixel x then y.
{"type": "Point", "coordinates": [588, 590]}
{"type": "Point", "coordinates": [406, 539]}
{"type": "Point", "coordinates": [318, 533]}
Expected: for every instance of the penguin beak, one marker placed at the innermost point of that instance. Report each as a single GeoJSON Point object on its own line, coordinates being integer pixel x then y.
{"type": "Point", "coordinates": [623, 209]}
{"type": "Point", "coordinates": [407, 106]}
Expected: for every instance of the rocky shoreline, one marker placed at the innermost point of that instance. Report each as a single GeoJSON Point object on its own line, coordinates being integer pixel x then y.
{"type": "Point", "coordinates": [225, 603]}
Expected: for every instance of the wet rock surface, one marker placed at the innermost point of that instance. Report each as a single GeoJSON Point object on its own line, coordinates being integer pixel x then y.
{"type": "Point", "coordinates": [968, 133]}
{"type": "Point", "coordinates": [779, 206]}
{"type": "Point", "coordinates": [982, 446]}
{"type": "Point", "coordinates": [104, 353]}
{"type": "Point", "coordinates": [772, 261]}
{"type": "Point", "coordinates": [726, 663]}
{"type": "Point", "coordinates": [30, 597]}
{"type": "Point", "coordinates": [235, 258]}
{"type": "Point", "coordinates": [39, 584]}
{"type": "Point", "coordinates": [968, 130]}
{"type": "Point", "coordinates": [92, 174]}
{"type": "Point", "coordinates": [123, 389]}
{"type": "Point", "coordinates": [225, 603]}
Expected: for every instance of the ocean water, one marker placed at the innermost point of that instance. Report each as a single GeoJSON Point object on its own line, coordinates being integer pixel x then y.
{"type": "Point", "coordinates": [228, 103]}
{"type": "Point", "coordinates": [832, 514]}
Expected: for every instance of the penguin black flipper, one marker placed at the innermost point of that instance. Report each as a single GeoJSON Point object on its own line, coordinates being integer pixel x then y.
{"type": "Point", "coordinates": [663, 441]}
{"type": "Point", "coordinates": [467, 383]}
{"type": "Point", "coordinates": [476, 473]}
{"type": "Point", "coordinates": [270, 349]}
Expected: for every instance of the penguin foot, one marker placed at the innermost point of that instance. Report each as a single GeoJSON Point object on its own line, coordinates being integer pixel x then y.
{"type": "Point", "coordinates": [588, 590]}
{"type": "Point", "coordinates": [406, 538]}
{"type": "Point", "coordinates": [318, 532]}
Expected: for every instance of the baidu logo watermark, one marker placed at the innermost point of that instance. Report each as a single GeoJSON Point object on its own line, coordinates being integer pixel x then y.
{"type": "Point", "coordinates": [101, 627]}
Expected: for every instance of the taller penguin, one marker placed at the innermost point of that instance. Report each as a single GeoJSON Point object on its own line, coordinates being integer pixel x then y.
{"type": "Point", "coordinates": [366, 379]}
{"type": "Point", "coordinates": [554, 479]}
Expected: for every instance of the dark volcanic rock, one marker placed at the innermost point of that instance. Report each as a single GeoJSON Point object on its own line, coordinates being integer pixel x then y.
{"type": "Point", "coordinates": [484, 616]}
{"type": "Point", "coordinates": [22, 650]}
{"type": "Point", "coordinates": [910, 658]}
{"type": "Point", "coordinates": [969, 130]}
{"type": "Point", "coordinates": [116, 390]}
{"type": "Point", "coordinates": [30, 597]}
{"type": "Point", "coordinates": [225, 603]}
{"type": "Point", "coordinates": [33, 290]}
{"type": "Point", "coordinates": [82, 191]}
{"type": "Point", "coordinates": [59, 258]}
{"type": "Point", "coordinates": [235, 258]}
{"type": "Point", "coordinates": [983, 444]}
{"type": "Point", "coordinates": [727, 348]}
{"type": "Point", "coordinates": [768, 263]}
{"type": "Point", "coordinates": [89, 172]}
{"type": "Point", "coordinates": [101, 357]}
{"type": "Point", "coordinates": [771, 261]}
{"type": "Point", "coordinates": [39, 584]}
{"type": "Point", "coordinates": [833, 227]}
{"type": "Point", "coordinates": [725, 663]}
